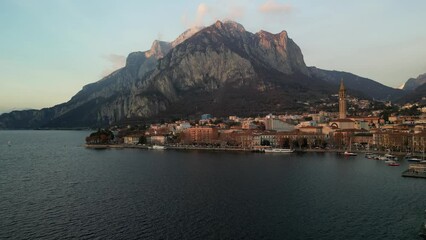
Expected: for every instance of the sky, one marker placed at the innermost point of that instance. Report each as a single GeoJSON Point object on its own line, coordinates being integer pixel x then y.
{"type": "Point", "coordinates": [50, 49]}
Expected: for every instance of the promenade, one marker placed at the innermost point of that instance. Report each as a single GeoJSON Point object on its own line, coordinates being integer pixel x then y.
{"type": "Point", "coordinates": [232, 149]}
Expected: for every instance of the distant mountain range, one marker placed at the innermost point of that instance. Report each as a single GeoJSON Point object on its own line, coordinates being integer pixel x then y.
{"type": "Point", "coordinates": [418, 95]}
{"type": "Point", "coordinates": [368, 87]}
{"type": "Point", "coordinates": [221, 69]}
{"type": "Point", "coordinates": [413, 83]}
{"type": "Point", "coordinates": [415, 90]}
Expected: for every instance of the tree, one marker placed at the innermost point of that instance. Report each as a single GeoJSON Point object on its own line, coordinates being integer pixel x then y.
{"type": "Point", "coordinates": [265, 142]}
{"type": "Point", "coordinates": [102, 136]}
{"type": "Point", "coordinates": [412, 111]}
{"type": "Point", "coordinates": [388, 111]}
{"type": "Point", "coordinates": [285, 143]}
{"type": "Point", "coordinates": [142, 140]}
{"type": "Point", "coordinates": [294, 144]}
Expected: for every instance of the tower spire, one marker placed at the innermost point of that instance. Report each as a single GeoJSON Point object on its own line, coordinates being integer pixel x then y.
{"type": "Point", "coordinates": [342, 87]}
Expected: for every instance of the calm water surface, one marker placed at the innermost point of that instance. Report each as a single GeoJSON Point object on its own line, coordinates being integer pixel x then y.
{"type": "Point", "coordinates": [51, 187]}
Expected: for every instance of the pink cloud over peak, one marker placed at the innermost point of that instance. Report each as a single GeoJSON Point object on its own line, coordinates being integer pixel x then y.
{"type": "Point", "coordinates": [272, 6]}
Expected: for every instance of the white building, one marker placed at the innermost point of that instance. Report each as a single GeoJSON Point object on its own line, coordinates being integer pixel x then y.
{"type": "Point", "coordinates": [278, 125]}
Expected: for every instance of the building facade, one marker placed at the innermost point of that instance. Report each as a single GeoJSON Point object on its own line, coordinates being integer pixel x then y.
{"type": "Point", "coordinates": [200, 135]}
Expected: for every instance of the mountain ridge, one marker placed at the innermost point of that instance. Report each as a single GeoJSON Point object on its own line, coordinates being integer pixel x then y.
{"type": "Point", "coordinates": [214, 67]}
{"type": "Point", "coordinates": [413, 83]}
{"type": "Point", "coordinates": [370, 88]}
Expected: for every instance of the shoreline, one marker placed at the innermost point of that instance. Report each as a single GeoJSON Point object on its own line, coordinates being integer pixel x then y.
{"type": "Point", "coordinates": [170, 147]}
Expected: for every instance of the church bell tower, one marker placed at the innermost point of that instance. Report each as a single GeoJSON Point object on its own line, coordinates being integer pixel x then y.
{"type": "Point", "coordinates": [342, 101]}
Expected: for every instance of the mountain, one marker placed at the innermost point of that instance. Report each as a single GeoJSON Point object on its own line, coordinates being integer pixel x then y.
{"type": "Point", "coordinates": [221, 69]}
{"type": "Point", "coordinates": [83, 110]}
{"type": "Point", "coordinates": [418, 95]}
{"type": "Point", "coordinates": [370, 88]}
{"type": "Point", "coordinates": [413, 83]}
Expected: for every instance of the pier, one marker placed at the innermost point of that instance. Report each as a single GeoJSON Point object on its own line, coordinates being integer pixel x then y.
{"type": "Point", "coordinates": [417, 170]}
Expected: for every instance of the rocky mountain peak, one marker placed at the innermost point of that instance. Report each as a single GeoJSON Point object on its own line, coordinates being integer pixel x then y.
{"type": "Point", "coordinates": [158, 49]}
{"type": "Point", "coordinates": [413, 83]}
{"type": "Point", "coordinates": [234, 26]}
{"type": "Point", "coordinates": [218, 24]}
{"type": "Point", "coordinates": [185, 35]}
{"type": "Point", "coordinates": [268, 40]}
{"type": "Point", "coordinates": [229, 27]}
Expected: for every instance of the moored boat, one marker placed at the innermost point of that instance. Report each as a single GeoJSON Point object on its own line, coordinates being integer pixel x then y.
{"type": "Point", "coordinates": [414, 159]}
{"type": "Point", "coordinates": [390, 157]}
{"type": "Point", "coordinates": [346, 153]}
{"type": "Point", "coordinates": [279, 150]}
{"type": "Point", "coordinates": [393, 163]}
{"type": "Point", "coordinates": [158, 147]}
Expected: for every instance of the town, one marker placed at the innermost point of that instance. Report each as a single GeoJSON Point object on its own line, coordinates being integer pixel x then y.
{"type": "Point", "coordinates": [380, 130]}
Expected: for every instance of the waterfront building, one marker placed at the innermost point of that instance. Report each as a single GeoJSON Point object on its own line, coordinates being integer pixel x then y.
{"type": "Point", "coordinates": [200, 135]}
{"type": "Point", "coordinates": [156, 139]}
{"type": "Point", "coordinates": [132, 139]}
{"type": "Point", "coordinates": [393, 140]}
{"type": "Point", "coordinates": [362, 138]}
{"type": "Point", "coordinates": [266, 138]}
{"type": "Point", "coordinates": [245, 139]}
{"type": "Point", "coordinates": [419, 142]}
{"type": "Point", "coordinates": [299, 139]}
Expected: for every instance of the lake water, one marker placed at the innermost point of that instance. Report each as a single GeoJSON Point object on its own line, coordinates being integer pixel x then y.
{"type": "Point", "coordinates": [51, 187]}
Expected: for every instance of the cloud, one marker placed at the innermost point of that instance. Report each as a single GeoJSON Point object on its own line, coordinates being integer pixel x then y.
{"type": "Point", "coordinates": [202, 11]}
{"type": "Point", "coordinates": [236, 12]}
{"type": "Point", "coordinates": [271, 6]}
{"type": "Point", "coordinates": [116, 61]}
{"type": "Point", "coordinates": [207, 14]}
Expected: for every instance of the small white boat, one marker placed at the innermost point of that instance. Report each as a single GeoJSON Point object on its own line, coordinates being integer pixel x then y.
{"type": "Point", "coordinates": [158, 147]}
{"type": "Point", "coordinates": [346, 153]}
{"type": "Point", "coordinates": [279, 150]}
{"type": "Point", "coordinates": [9, 143]}
{"type": "Point", "coordinates": [391, 157]}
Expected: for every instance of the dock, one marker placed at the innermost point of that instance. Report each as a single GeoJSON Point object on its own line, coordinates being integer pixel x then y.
{"type": "Point", "coordinates": [422, 232]}
{"type": "Point", "coordinates": [417, 170]}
